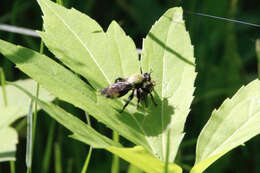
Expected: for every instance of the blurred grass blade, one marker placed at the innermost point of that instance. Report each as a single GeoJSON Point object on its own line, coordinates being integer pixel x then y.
{"type": "Point", "coordinates": [57, 158]}
{"type": "Point", "coordinates": [8, 147]}
{"type": "Point", "coordinates": [235, 122]}
{"type": "Point", "coordinates": [29, 137]}
{"type": "Point", "coordinates": [2, 75]}
{"type": "Point", "coordinates": [168, 52]}
{"type": "Point", "coordinates": [18, 30]}
{"type": "Point", "coordinates": [48, 149]}
{"type": "Point", "coordinates": [143, 160]}
{"type": "Point", "coordinates": [257, 47]}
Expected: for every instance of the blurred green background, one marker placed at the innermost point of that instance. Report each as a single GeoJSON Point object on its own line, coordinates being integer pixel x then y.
{"type": "Point", "coordinates": [225, 58]}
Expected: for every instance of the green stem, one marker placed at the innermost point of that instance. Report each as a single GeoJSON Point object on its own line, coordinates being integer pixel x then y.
{"type": "Point", "coordinates": [85, 167]}
{"type": "Point", "coordinates": [115, 161]}
{"type": "Point", "coordinates": [3, 86]}
{"type": "Point", "coordinates": [167, 152]}
{"type": "Point", "coordinates": [59, 2]}
{"type": "Point", "coordinates": [57, 152]}
{"type": "Point", "coordinates": [35, 112]}
{"type": "Point", "coordinates": [12, 166]}
{"type": "Point", "coordinates": [47, 153]}
{"type": "Point", "coordinates": [28, 170]}
{"type": "Point", "coordinates": [35, 115]}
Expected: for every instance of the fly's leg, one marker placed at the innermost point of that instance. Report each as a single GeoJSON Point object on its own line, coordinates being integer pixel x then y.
{"type": "Point", "coordinates": [138, 94]}
{"type": "Point", "coordinates": [128, 101]}
{"type": "Point", "coordinates": [152, 99]}
{"type": "Point", "coordinates": [141, 70]}
{"type": "Point", "coordinates": [145, 100]}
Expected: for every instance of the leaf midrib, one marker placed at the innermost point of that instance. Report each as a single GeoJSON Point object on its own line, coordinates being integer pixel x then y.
{"type": "Point", "coordinates": [81, 42]}
{"type": "Point", "coordinates": [162, 92]}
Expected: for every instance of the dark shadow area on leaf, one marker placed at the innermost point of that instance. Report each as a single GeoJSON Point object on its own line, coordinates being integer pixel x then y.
{"type": "Point", "coordinates": [149, 119]}
{"type": "Point", "coordinates": [159, 42]}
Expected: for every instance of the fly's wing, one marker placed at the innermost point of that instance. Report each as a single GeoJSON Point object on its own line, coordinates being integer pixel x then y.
{"type": "Point", "coordinates": [118, 89]}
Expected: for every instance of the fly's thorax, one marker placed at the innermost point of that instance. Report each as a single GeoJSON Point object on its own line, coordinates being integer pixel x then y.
{"type": "Point", "coordinates": [135, 79]}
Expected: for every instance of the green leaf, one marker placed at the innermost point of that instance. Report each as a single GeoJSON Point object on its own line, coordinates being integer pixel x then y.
{"type": "Point", "coordinates": [140, 158]}
{"type": "Point", "coordinates": [8, 147]}
{"type": "Point", "coordinates": [169, 54]}
{"type": "Point", "coordinates": [18, 101]}
{"type": "Point", "coordinates": [235, 122]}
{"type": "Point", "coordinates": [86, 49]}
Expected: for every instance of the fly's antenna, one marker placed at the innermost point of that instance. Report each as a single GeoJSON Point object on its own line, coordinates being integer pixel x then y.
{"type": "Point", "coordinates": [141, 70]}
{"type": "Point", "coordinates": [223, 18]}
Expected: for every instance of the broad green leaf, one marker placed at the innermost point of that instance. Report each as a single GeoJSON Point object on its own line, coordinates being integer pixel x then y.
{"type": "Point", "coordinates": [9, 139]}
{"type": "Point", "coordinates": [81, 131]}
{"type": "Point", "coordinates": [98, 56]}
{"type": "Point", "coordinates": [168, 53]}
{"type": "Point", "coordinates": [140, 158]}
{"type": "Point", "coordinates": [235, 122]}
{"type": "Point", "coordinates": [18, 101]}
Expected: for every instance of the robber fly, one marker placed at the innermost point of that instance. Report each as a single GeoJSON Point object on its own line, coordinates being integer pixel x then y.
{"type": "Point", "coordinates": [140, 84]}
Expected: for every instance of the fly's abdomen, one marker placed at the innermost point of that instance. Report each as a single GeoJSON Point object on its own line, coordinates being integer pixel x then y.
{"type": "Point", "coordinates": [118, 89]}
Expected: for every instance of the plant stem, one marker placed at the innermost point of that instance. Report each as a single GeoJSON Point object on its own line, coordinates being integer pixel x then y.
{"type": "Point", "coordinates": [57, 152]}
{"type": "Point", "coordinates": [115, 161]}
{"type": "Point", "coordinates": [34, 120]}
{"type": "Point", "coordinates": [12, 166]}
{"type": "Point", "coordinates": [59, 2]}
{"type": "Point", "coordinates": [167, 152]}
{"type": "Point", "coordinates": [3, 86]}
{"type": "Point", "coordinates": [47, 153]}
{"type": "Point", "coordinates": [85, 167]}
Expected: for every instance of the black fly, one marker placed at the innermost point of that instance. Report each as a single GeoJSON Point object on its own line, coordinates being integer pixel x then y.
{"type": "Point", "coordinates": [140, 84]}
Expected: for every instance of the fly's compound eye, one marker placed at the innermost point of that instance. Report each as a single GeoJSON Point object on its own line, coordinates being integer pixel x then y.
{"type": "Point", "coordinates": [147, 77]}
